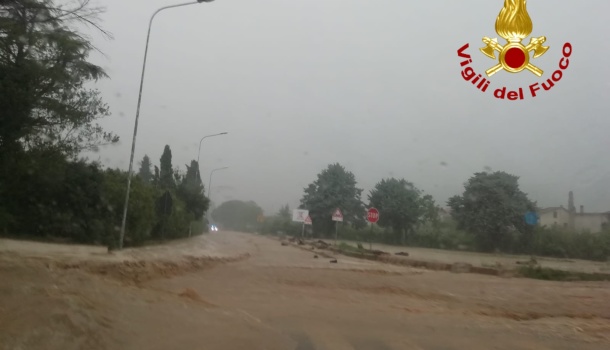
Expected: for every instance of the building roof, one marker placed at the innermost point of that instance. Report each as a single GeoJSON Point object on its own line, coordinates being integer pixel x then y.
{"type": "Point", "coordinates": [550, 209]}
{"type": "Point", "coordinates": [604, 214]}
{"type": "Point", "coordinates": [546, 210]}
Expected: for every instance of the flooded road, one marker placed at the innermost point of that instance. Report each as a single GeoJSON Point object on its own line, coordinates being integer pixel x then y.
{"type": "Point", "coordinates": [230, 290]}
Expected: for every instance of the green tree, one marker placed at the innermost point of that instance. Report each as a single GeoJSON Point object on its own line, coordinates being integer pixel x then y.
{"type": "Point", "coordinates": [156, 177]}
{"type": "Point", "coordinates": [141, 218]}
{"type": "Point", "coordinates": [285, 213]}
{"type": "Point", "coordinates": [282, 223]}
{"type": "Point", "coordinates": [334, 188]}
{"type": "Point", "coordinates": [56, 198]}
{"type": "Point", "coordinates": [75, 201]}
{"type": "Point", "coordinates": [145, 172]}
{"type": "Point", "coordinates": [430, 211]}
{"type": "Point", "coordinates": [47, 115]}
{"type": "Point", "coordinates": [237, 215]}
{"type": "Point", "coordinates": [163, 209]}
{"type": "Point", "coordinates": [44, 74]}
{"type": "Point", "coordinates": [191, 192]}
{"type": "Point", "coordinates": [492, 208]}
{"type": "Point", "coordinates": [166, 173]}
{"type": "Point", "coordinates": [401, 205]}
{"type": "Point", "coordinates": [178, 176]}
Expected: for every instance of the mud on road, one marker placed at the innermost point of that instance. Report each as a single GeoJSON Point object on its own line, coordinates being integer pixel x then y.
{"type": "Point", "coordinates": [237, 291]}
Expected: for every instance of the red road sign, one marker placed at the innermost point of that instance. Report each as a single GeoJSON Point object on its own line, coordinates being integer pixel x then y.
{"type": "Point", "coordinates": [372, 215]}
{"type": "Point", "coordinates": [337, 215]}
{"type": "Point", "coordinates": [307, 220]}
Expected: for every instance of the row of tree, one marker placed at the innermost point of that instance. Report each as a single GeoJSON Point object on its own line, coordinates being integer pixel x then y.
{"type": "Point", "coordinates": [186, 186]}
{"type": "Point", "coordinates": [79, 201]}
{"type": "Point", "coordinates": [488, 216]}
{"type": "Point", "coordinates": [49, 115]}
{"type": "Point", "coordinates": [403, 206]}
{"type": "Point", "coordinates": [179, 199]}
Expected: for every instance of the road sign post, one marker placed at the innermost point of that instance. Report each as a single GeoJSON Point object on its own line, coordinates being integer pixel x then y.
{"type": "Point", "coordinates": [307, 221]}
{"type": "Point", "coordinates": [336, 231]}
{"type": "Point", "coordinates": [372, 216]}
{"type": "Point", "coordinates": [531, 218]}
{"type": "Point", "coordinates": [371, 238]}
{"type": "Point", "coordinates": [337, 217]}
{"type": "Point", "coordinates": [299, 215]}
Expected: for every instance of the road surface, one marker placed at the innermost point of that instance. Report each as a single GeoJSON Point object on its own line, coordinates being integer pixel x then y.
{"type": "Point", "coordinates": [236, 291]}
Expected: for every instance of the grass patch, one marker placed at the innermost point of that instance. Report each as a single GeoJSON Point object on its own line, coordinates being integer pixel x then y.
{"type": "Point", "coordinates": [348, 248]}
{"type": "Point", "coordinates": [548, 274]}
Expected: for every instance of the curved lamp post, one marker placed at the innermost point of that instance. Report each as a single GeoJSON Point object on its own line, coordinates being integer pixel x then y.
{"type": "Point", "coordinates": [135, 128]}
{"type": "Point", "coordinates": [199, 153]}
{"type": "Point", "coordinates": [210, 182]}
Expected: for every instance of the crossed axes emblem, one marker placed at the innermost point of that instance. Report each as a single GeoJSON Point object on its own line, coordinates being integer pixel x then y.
{"type": "Point", "coordinates": [534, 45]}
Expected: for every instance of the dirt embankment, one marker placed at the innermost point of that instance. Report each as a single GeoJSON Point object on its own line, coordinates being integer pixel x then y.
{"type": "Point", "coordinates": [529, 268]}
{"type": "Point", "coordinates": [134, 266]}
{"type": "Point", "coordinates": [140, 271]}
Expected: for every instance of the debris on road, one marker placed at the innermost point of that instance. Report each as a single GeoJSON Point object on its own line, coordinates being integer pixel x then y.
{"type": "Point", "coordinates": [190, 294]}
{"type": "Point", "coordinates": [284, 243]}
{"type": "Point", "coordinates": [315, 256]}
{"type": "Point", "coordinates": [334, 261]}
{"type": "Point", "coordinates": [402, 253]}
{"type": "Point", "coordinates": [461, 268]}
{"type": "Point", "coordinates": [320, 244]}
{"type": "Point", "coordinates": [531, 262]}
{"type": "Point", "coordinates": [380, 252]}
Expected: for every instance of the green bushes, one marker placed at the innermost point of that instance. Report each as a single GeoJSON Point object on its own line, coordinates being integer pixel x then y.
{"type": "Point", "coordinates": [547, 274]}
{"type": "Point", "coordinates": [46, 197]}
{"type": "Point", "coordinates": [141, 216]}
{"type": "Point", "coordinates": [564, 244]}
{"type": "Point", "coordinates": [541, 242]}
{"type": "Point", "coordinates": [277, 226]}
{"type": "Point", "coordinates": [445, 235]}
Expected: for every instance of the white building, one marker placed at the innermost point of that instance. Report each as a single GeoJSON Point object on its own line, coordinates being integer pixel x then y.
{"type": "Point", "coordinates": [572, 220]}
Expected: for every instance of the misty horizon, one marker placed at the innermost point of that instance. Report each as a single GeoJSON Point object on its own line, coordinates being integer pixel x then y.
{"type": "Point", "coordinates": [374, 87]}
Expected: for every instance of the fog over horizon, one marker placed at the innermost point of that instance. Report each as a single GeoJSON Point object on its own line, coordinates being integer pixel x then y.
{"type": "Point", "coordinates": [374, 86]}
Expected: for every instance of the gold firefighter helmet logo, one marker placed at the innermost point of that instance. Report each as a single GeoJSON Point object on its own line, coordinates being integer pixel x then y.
{"type": "Point", "coordinates": [514, 24]}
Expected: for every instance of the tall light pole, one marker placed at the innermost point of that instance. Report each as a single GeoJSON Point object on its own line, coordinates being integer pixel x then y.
{"type": "Point", "coordinates": [199, 153]}
{"type": "Point", "coordinates": [135, 128]}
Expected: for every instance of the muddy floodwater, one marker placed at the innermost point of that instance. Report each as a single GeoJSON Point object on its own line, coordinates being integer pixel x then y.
{"type": "Point", "coordinates": [229, 290]}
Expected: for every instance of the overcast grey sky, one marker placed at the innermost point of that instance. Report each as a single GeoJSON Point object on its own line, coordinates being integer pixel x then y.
{"type": "Point", "coordinates": [373, 85]}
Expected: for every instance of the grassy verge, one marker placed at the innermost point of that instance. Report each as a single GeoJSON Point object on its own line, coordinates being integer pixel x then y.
{"type": "Point", "coordinates": [349, 248]}
{"type": "Point", "coordinates": [548, 274]}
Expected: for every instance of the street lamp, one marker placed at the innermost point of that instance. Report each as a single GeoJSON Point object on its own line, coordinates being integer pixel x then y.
{"type": "Point", "coordinates": [199, 153]}
{"type": "Point", "coordinates": [210, 182]}
{"type": "Point", "coordinates": [135, 128]}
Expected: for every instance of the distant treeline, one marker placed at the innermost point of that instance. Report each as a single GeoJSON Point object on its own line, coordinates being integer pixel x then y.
{"type": "Point", "coordinates": [489, 216]}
